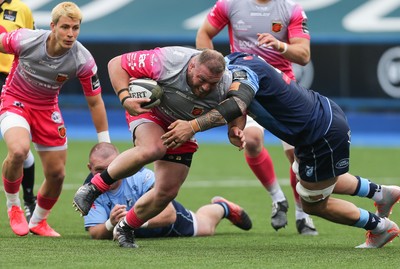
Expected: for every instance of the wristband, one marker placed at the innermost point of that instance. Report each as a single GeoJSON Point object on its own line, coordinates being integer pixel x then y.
{"type": "Point", "coordinates": [123, 90]}
{"type": "Point", "coordinates": [104, 136]}
{"type": "Point", "coordinates": [195, 126]}
{"type": "Point", "coordinates": [279, 46]}
{"type": "Point", "coordinates": [109, 225]}
{"type": "Point", "coordinates": [124, 99]}
{"type": "Point", "coordinates": [285, 47]}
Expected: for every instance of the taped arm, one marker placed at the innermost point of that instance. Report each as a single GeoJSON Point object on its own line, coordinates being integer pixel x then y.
{"type": "Point", "coordinates": [238, 99]}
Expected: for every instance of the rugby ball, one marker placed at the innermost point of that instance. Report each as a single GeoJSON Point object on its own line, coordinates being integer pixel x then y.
{"type": "Point", "coordinates": [146, 88]}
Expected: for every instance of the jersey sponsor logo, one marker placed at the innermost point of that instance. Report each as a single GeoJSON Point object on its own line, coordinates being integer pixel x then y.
{"type": "Point", "coordinates": [62, 131]}
{"type": "Point", "coordinates": [343, 163]}
{"type": "Point", "coordinates": [95, 82]}
{"type": "Point", "coordinates": [56, 117]}
{"type": "Point", "coordinates": [61, 77]}
{"type": "Point", "coordinates": [276, 26]}
{"type": "Point", "coordinates": [197, 111]}
{"type": "Point", "coordinates": [10, 15]}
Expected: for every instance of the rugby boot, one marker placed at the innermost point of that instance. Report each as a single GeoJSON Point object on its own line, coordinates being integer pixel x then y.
{"type": "Point", "coordinates": [379, 239]}
{"type": "Point", "coordinates": [279, 214]}
{"type": "Point", "coordinates": [306, 226]}
{"type": "Point", "coordinates": [125, 235]}
{"type": "Point", "coordinates": [84, 198]}
{"type": "Point", "coordinates": [390, 196]}
{"type": "Point", "coordinates": [235, 214]}
{"type": "Point", "coordinates": [18, 222]}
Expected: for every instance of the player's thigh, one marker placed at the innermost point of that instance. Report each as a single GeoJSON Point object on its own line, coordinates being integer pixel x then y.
{"type": "Point", "coordinates": [15, 131]}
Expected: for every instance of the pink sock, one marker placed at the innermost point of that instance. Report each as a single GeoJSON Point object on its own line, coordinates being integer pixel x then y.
{"type": "Point", "coordinates": [263, 168]}
{"type": "Point", "coordinates": [12, 186]}
{"type": "Point", "coordinates": [46, 202]}
{"type": "Point", "coordinates": [99, 183]}
{"type": "Point", "coordinates": [132, 219]}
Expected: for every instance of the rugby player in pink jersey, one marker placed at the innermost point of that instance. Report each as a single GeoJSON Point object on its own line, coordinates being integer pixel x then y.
{"type": "Point", "coordinates": [276, 31]}
{"type": "Point", "coordinates": [193, 82]}
{"type": "Point", "coordinates": [44, 61]}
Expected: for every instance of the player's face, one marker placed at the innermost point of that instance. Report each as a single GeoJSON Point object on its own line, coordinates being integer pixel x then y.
{"type": "Point", "coordinates": [201, 80]}
{"type": "Point", "coordinates": [66, 31]}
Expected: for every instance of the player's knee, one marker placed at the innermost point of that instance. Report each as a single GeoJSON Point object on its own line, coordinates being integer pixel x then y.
{"type": "Point", "coordinates": [254, 141]}
{"type": "Point", "coordinates": [313, 196]}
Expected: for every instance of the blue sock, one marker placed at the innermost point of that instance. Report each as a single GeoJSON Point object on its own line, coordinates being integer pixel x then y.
{"type": "Point", "coordinates": [225, 206]}
{"type": "Point", "coordinates": [367, 220]}
{"type": "Point", "coordinates": [366, 188]}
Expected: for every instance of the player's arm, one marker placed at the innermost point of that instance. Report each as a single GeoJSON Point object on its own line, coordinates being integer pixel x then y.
{"type": "Point", "coordinates": [298, 51]}
{"type": "Point", "coordinates": [99, 116]}
{"type": "Point", "coordinates": [119, 79]}
{"type": "Point", "coordinates": [205, 34]}
{"type": "Point", "coordinates": [235, 105]}
{"type": "Point", "coordinates": [105, 230]}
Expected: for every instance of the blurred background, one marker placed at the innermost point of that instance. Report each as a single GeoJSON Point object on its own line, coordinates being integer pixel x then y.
{"type": "Point", "coordinates": [355, 57]}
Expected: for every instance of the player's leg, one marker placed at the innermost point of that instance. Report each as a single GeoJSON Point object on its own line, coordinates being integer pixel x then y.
{"type": "Point", "coordinates": [16, 134]}
{"type": "Point", "coordinates": [304, 223]}
{"type": "Point", "coordinates": [385, 197]}
{"type": "Point", "coordinates": [28, 182]}
{"type": "Point", "coordinates": [53, 160]}
{"type": "Point", "coordinates": [169, 178]}
{"type": "Point", "coordinates": [148, 148]}
{"type": "Point", "coordinates": [260, 162]}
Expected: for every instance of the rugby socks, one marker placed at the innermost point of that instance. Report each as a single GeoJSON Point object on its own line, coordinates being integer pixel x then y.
{"type": "Point", "coordinates": [102, 181]}
{"type": "Point", "coordinates": [225, 207]}
{"type": "Point", "coordinates": [368, 221]}
{"type": "Point", "coordinates": [263, 168]}
{"type": "Point", "coordinates": [28, 182]}
{"type": "Point", "coordinates": [42, 209]}
{"type": "Point", "coordinates": [11, 190]}
{"type": "Point", "coordinates": [132, 219]}
{"type": "Point", "coordinates": [366, 188]}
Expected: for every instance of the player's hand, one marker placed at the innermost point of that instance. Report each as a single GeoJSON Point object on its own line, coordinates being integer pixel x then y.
{"type": "Point", "coordinates": [180, 132]}
{"type": "Point", "coordinates": [268, 41]}
{"type": "Point", "coordinates": [117, 213]}
{"type": "Point", "coordinates": [133, 106]}
{"type": "Point", "coordinates": [236, 137]}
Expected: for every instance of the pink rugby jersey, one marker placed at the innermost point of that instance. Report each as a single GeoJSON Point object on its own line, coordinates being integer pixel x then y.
{"type": "Point", "coordinates": [36, 78]}
{"type": "Point", "coordinates": [168, 66]}
{"type": "Point", "coordinates": [284, 19]}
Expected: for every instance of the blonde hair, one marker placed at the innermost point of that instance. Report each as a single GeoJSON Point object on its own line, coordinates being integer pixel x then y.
{"type": "Point", "coordinates": [68, 9]}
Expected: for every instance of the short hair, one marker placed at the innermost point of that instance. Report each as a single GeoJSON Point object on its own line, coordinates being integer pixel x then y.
{"type": "Point", "coordinates": [103, 150]}
{"type": "Point", "coordinates": [213, 60]}
{"type": "Point", "coordinates": [68, 9]}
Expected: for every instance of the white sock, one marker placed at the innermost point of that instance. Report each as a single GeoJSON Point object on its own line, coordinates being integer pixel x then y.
{"type": "Point", "coordinates": [13, 199]}
{"type": "Point", "coordinates": [38, 215]}
{"type": "Point", "coordinates": [277, 194]}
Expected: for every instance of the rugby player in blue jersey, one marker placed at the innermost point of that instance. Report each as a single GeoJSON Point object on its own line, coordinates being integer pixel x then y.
{"type": "Point", "coordinates": [318, 129]}
{"type": "Point", "coordinates": [174, 220]}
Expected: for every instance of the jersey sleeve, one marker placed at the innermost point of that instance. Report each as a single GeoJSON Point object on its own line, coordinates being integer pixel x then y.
{"type": "Point", "coordinates": [143, 64]}
{"type": "Point", "coordinates": [87, 73]}
{"type": "Point", "coordinates": [11, 40]}
{"type": "Point", "coordinates": [298, 24]}
{"type": "Point", "coordinates": [218, 16]}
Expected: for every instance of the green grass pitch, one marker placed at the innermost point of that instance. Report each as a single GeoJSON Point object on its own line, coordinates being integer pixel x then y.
{"type": "Point", "coordinates": [217, 169]}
